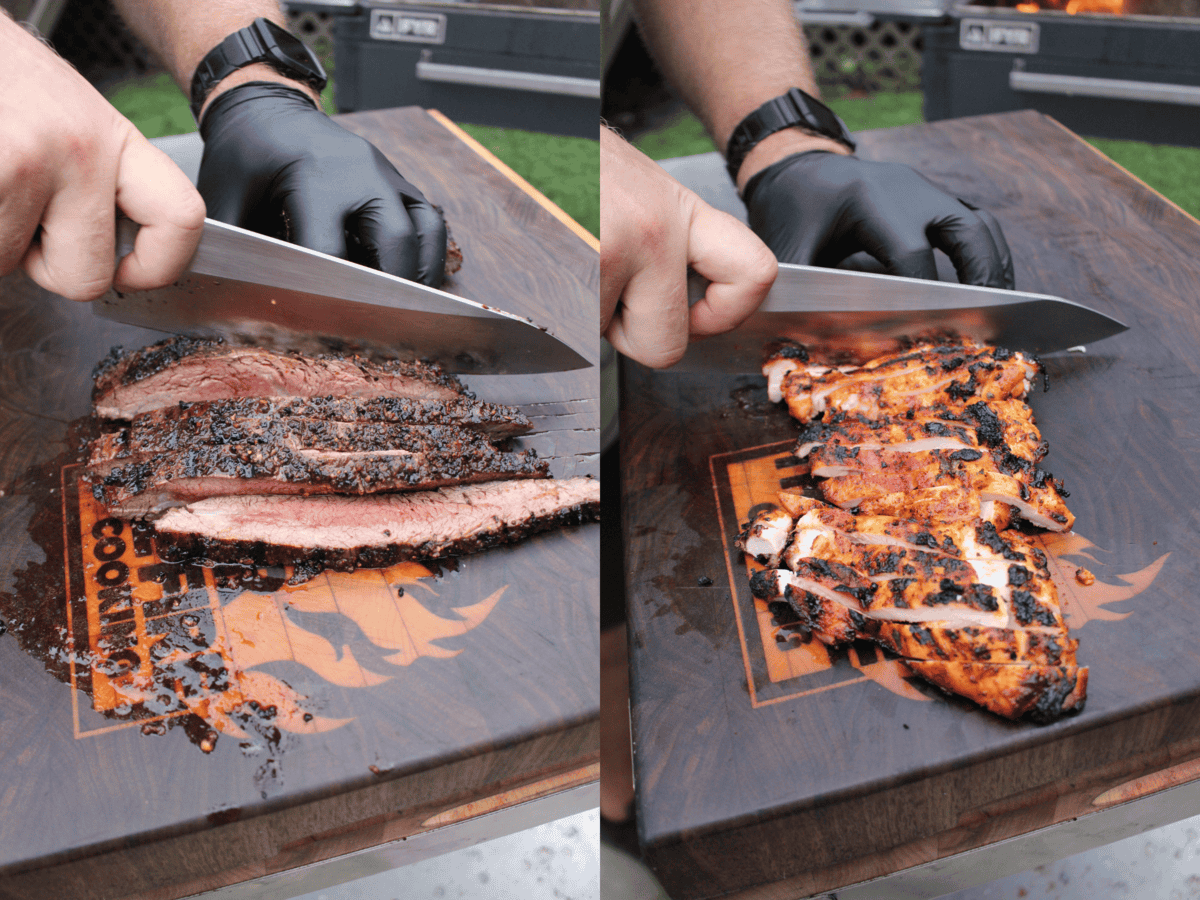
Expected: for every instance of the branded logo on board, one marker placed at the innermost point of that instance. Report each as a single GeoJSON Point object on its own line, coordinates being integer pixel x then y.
{"type": "Point", "coordinates": [779, 667]}
{"type": "Point", "coordinates": [154, 640]}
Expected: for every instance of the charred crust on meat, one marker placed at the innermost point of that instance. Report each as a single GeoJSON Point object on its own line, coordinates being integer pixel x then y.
{"type": "Point", "coordinates": [135, 365]}
{"type": "Point", "coordinates": [1029, 610]}
{"type": "Point", "coordinates": [1049, 704]}
{"type": "Point", "coordinates": [923, 636]}
{"type": "Point", "coordinates": [986, 534]}
{"type": "Point", "coordinates": [989, 429]}
{"type": "Point", "coordinates": [898, 586]}
{"type": "Point", "coordinates": [126, 368]}
{"type": "Point", "coordinates": [173, 547]}
{"type": "Point", "coordinates": [782, 612]}
{"type": "Point", "coordinates": [966, 455]}
{"type": "Point", "coordinates": [791, 350]}
{"type": "Point", "coordinates": [887, 562]}
{"type": "Point", "coordinates": [764, 584]}
{"type": "Point", "coordinates": [1018, 575]}
{"type": "Point", "coordinates": [964, 389]}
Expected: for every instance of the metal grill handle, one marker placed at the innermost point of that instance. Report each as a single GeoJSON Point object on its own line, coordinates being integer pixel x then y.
{"type": "Point", "coordinates": [1108, 88]}
{"type": "Point", "coordinates": [505, 78]}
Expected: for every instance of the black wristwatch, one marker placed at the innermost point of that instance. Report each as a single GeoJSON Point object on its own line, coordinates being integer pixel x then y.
{"type": "Point", "coordinates": [261, 41]}
{"type": "Point", "coordinates": [795, 108]}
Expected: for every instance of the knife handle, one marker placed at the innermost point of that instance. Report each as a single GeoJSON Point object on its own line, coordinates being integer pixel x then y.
{"type": "Point", "coordinates": [697, 284]}
{"type": "Point", "coordinates": [127, 230]}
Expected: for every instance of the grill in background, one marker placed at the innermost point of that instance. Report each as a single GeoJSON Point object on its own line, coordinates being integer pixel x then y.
{"type": "Point", "coordinates": [1131, 77]}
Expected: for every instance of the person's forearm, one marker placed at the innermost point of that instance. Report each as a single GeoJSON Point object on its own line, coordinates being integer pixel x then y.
{"type": "Point", "coordinates": [182, 32]}
{"type": "Point", "coordinates": [727, 58]}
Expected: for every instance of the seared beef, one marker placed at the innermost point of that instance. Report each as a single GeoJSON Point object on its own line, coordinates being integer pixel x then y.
{"type": "Point", "coordinates": [485, 418]}
{"type": "Point", "coordinates": [378, 530]}
{"type": "Point", "coordinates": [185, 370]}
{"type": "Point", "coordinates": [149, 483]}
{"type": "Point", "coordinates": [155, 436]}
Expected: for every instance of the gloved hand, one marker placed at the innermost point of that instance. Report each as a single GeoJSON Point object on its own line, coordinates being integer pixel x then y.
{"type": "Point", "coordinates": [817, 208]}
{"type": "Point", "coordinates": [275, 164]}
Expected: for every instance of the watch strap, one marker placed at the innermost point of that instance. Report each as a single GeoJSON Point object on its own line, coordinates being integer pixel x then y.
{"type": "Point", "coordinates": [793, 109]}
{"type": "Point", "coordinates": [261, 41]}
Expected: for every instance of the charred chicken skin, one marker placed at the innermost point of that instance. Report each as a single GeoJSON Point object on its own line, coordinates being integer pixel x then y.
{"type": "Point", "coordinates": [923, 460]}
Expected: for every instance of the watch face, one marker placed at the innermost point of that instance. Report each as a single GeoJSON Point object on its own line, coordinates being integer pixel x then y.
{"type": "Point", "coordinates": [289, 51]}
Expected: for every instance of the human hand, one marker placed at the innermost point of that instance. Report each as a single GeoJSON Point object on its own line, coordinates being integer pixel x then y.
{"type": "Point", "coordinates": [68, 162]}
{"type": "Point", "coordinates": [818, 208]}
{"type": "Point", "coordinates": [652, 228]}
{"type": "Point", "coordinates": [275, 164]}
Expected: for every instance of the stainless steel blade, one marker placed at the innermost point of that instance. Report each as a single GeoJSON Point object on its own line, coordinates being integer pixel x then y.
{"type": "Point", "coordinates": [246, 287]}
{"type": "Point", "coordinates": [865, 314]}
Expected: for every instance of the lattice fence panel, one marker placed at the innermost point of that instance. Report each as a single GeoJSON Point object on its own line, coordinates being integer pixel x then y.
{"type": "Point", "coordinates": [884, 56]}
{"type": "Point", "coordinates": [91, 36]}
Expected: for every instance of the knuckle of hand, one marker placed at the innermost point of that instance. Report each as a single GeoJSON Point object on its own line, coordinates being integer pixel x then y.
{"type": "Point", "coordinates": [762, 267]}
{"type": "Point", "coordinates": [188, 210]}
{"type": "Point", "coordinates": [85, 289]}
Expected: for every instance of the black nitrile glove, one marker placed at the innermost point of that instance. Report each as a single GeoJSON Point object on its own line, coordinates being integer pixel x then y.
{"type": "Point", "coordinates": [275, 164]}
{"type": "Point", "coordinates": [817, 208]}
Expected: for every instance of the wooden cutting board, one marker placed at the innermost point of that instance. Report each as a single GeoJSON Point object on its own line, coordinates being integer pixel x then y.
{"type": "Point", "coordinates": [168, 729]}
{"type": "Point", "coordinates": [770, 769]}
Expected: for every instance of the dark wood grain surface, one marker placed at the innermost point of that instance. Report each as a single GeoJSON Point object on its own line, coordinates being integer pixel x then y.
{"type": "Point", "coordinates": [788, 781]}
{"type": "Point", "coordinates": [275, 728]}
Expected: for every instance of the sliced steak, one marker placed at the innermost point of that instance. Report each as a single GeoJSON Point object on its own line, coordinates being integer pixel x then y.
{"type": "Point", "coordinates": [148, 483]}
{"type": "Point", "coordinates": [342, 532]}
{"type": "Point", "coordinates": [145, 437]}
{"type": "Point", "coordinates": [185, 369]}
{"type": "Point", "coordinates": [486, 418]}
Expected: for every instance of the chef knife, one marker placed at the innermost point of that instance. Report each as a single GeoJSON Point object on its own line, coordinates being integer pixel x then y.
{"type": "Point", "coordinates": [863, 313]}
{"type": "Point", "coordinates": [246, 287]}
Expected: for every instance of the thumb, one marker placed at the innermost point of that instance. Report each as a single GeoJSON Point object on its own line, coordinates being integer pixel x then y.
{"type": "Point", "coordinates": [739, 265]}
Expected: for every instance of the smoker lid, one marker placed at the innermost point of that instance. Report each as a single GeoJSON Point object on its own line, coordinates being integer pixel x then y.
{"type": "Point", "coordinates": [834, 11]}
{"type": "Point", "coordinates": [1155, 10]}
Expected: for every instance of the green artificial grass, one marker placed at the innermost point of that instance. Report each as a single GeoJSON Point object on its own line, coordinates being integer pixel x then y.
{"type": "Point", "coordinates": [879, 110]}
{"type": "Point", "coordinates": [158, 108]}
{"type": "Point", "coordinates": [1172, 171]}
{"type": "Point", "coordinates": [154, 104]}
{"type": "Point", "coordinates": [565, 169]}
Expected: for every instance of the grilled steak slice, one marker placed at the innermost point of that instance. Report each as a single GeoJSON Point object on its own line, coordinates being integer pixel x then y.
{"type": "Point", "coordinates": [1044, 693]}
{"type": "Point", "coordinates": [486, 418]}
{"type": "Point", "coordinates": [186, 369]}
{"type": "Point", "coordinates": [150, 483]}
{"type": "Point", "coordinates": [149, 435]}
{"type": "Point", "coordinates": [343, 532]}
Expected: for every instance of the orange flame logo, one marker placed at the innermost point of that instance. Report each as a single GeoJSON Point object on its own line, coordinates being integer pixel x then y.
{"type": "Point", "coordinates": [171, 639]}
{"type": "Point", "coordinates": [755, 481]}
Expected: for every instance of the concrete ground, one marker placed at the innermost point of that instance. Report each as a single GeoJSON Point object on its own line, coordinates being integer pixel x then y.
{"type": "Point", "coordinates": [556, 861]}
{"type": "Point", "coordinates": [1163, 864]}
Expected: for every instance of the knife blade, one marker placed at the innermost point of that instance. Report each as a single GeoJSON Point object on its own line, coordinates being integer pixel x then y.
{"type": "Point", "coordinates": [247, 287]}
{"type": "Point", "coordinates": [866, 313]}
